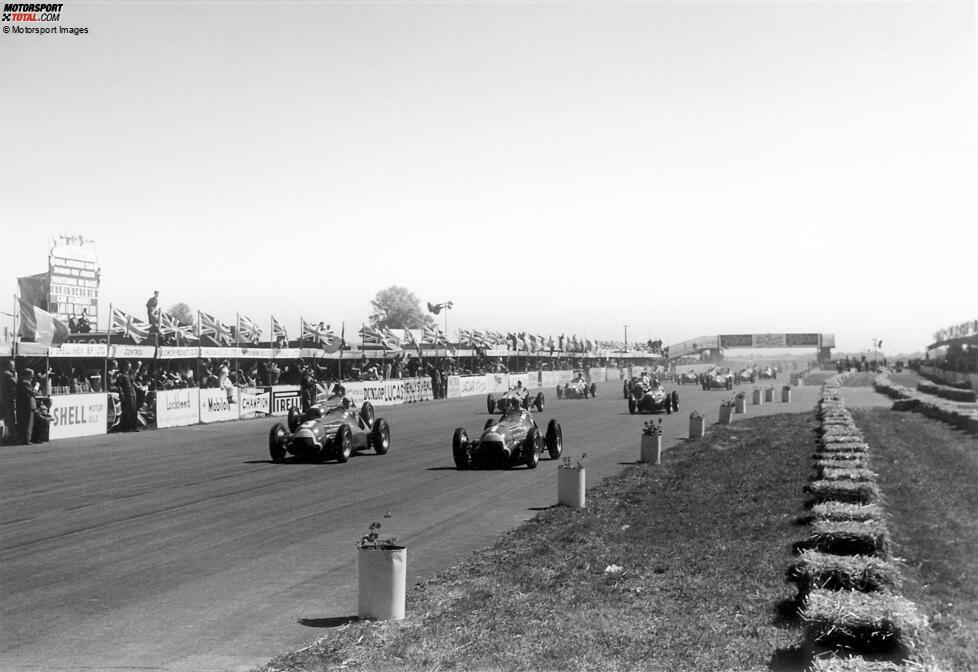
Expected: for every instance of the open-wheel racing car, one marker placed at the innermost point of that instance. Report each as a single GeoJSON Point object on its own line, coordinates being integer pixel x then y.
{"type": "Point", "coordinates": [577, 389]}
{"type": "Point", "coordinates": [508, 441]}
{"type": "Point", "coordinates": [718, 379]}
{"type": "Point", "coordinates": [688, 377]}
{"type": "Point", "coordinates": [769, 373]}
{"type": "Point", "coordinates": [517, 396]}
{"type": "Point", "coordinates": [644, 397]}
{"type": "Point", "coordinates": [748, 375]}
{"type": "Point", "coordinates": [332, 428]}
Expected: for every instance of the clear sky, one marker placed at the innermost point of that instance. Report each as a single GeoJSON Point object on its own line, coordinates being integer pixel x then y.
{"type": "Point", "coordinates": [685, 168]}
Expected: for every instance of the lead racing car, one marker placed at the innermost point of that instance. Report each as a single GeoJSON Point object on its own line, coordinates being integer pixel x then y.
{"type": "Point", "coordinates": [517, 396]}
{"type": "Point", "coordinates": [688, 377]}
{"type": "Point", "coordinates": [507, 441]}
{"type": "Point", "coordinates": [332, 428]}
{"type": "Point", "coordinates": [644, 397]}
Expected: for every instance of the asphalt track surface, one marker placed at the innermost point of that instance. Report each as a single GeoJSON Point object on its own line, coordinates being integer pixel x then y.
{"type": "Point", "coordinates": [189, 550]}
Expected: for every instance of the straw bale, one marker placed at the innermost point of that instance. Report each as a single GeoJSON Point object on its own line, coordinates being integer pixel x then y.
{"type": "Point", "coordinates": [862, 622]}
{"type": "Point", "coordinates": [846, 473]}
{"type": "Point", "coordinates": [849, 537]}
{"type": "Point", "coordinates": [852, 492]}
{"type": "Point", "coordinates": [815, 570]}
{"type": "Point", "coordinates": [859, 664]}
{"type": "Point", "coordinates": [841, 511]}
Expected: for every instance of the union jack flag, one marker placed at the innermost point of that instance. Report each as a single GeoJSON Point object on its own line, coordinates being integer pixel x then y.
{"type": "Point", "coordinates": [371, 336]}
{"type": "Point", "coordinates": [169, 326]}
{"type": "Point", "coordinates": [248, 330]}
{"type": "Point", "coordinates": [208, 325]}
{"type": "Point", "coordinates": [431, 336]}
{"type": "Point", "coordinates": [409, 338]}
{"type": "Point", "coordinates": [278, 331]}
{"type": "Point", "coordinates": [321, 334]}
{"type": "Point", "coordinates": [391, 341]}
{"type": "Point", "coordinates": [126, 324]}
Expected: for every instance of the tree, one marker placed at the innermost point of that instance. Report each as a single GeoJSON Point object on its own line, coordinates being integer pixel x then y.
{"type": "Point", "coordinates": [182, 313]}
{"type": "Point", "coordinates": [398, 308]}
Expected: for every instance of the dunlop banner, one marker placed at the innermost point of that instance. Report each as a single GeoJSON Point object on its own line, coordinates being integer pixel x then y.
{"type": "Point", "coordinates": [74, 415]}
{"type": "Point", "coordinates": [390, 392]}
{"type": "Point", "coordinates": [454, 387]}
{"type": "Point", "coordinates": [177, 408]}
{"type": "Point", "coordinates": [470, 385]}
{"type": "Point", "coordinates": [218, 404]}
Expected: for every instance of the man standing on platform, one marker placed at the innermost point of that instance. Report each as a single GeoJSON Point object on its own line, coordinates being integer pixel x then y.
{"type": "Point", "coordinates": [8, 401]}
{"type": "Point", "coordinates": [153, 312]}
{"type": "Point", "coordinates": [26, 405]}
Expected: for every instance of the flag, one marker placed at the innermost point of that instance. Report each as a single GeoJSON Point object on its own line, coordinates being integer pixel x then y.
{"type": "Point", "coordinates": [443, 340]}
{"type": "Point", "coordinates": [128, 325]}
{"type": "Point", "coordinates": [532, 343]}
{"type": "Point", "coordinates": [430, 335]}
{"type": "Point", "coordinates": [35, 289]}
{"type": "Point", "coordinates": [391, 341]}
{"type": "Point", "coordinates": [248, 330]}
{"type": "Point", "coordinates": [170, 327]}
{"type": "Point", "coordinates": [321, 334]}
{"type": "Point", "coordinates": [278, 331]}
{"type": "Point", "coordinates": [464, 337]}
{"type": "Point", "coordinates": [409, 339]}
{"type": "Point", "coordinates": [213, 327]}
{"type": "Point", "coordinates": [372, 336]}
{"type": "Point", "coordinates": [40, 326]}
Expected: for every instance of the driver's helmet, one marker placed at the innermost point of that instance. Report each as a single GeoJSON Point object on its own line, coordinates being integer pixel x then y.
{"type": "Point", "coordinates": [346, 402]}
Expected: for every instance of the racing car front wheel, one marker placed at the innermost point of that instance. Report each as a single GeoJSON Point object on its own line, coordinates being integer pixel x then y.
{"type": "Point", "coordinates": [380, 436]}
{"type": "Point", "coordinates": [532, 448]}
{"type": "Point", "coordinates": [631, 404]}
{"type": "Point", "coordinates": [276, 442]}
{"type": "Point", "coordinates": [555, 439]}
{"type": "Point", "coordinates": [460, 449]}
{"type": "Point", "coordinates": [594, 390]}
{"type": "Point", "coordinates": [675, 400]}
{"type": "Point", "coordinates": [343, 443]}
{"type": "Point", "coordinates": [294, 416]}
{"type": "Point", "coordinates": [490, 403]}
{"type": "Point", "coordinates": [367, 413]}
{"type": "Point", "coordinates": [560, 392]}
{"type": "Point", "coordinates": [538, 402]}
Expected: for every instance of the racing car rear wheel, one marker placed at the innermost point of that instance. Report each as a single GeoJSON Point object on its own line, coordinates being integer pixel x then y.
{"type": "Point", "coordinates": [276, 442]}
{"type": "Point", "coordinates": [594, 390]}
{"type": "Point", "coordinates": [490, 403]}
{"type": "Point", "coordinates": [555, 439]}
{"type": "Point", "coordinates": [675, 400]}
{"type": "Point", "coordinates": [343, 443]}
{"type": "Point", "coordinates": [460, 449]}
{"type": "Point", "coordinates": [532, 448]}
{"type": "Point", "coordinates": [625, 389]}
{"type": "Point", "coordinates": [538, 401]}
{"type": "Point", "coordinates": [367, 413]}
{"type": "Point", "coordinates": [631, 404]}
{"type": "Point", "coordinates": [294, 417]}
{"type": "Point", "coordinates": [380, 436]}
{"type": "Point", "coordinates": [560, 392]}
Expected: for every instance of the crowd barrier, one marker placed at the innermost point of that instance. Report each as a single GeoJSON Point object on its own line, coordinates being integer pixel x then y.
{"type": "Point", "coordinates": [90, 414]}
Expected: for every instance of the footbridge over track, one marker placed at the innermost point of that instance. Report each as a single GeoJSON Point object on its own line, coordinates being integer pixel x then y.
{"type": "Point", "coordinates": [717, 343]}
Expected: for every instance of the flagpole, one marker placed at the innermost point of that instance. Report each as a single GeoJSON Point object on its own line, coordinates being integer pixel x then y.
{"type": "Point", "coordinates": [108, 347]}
{"type": "Point", "coordinates": [339, 362]}
{"type": "Point", "coordinates": [237, 345]}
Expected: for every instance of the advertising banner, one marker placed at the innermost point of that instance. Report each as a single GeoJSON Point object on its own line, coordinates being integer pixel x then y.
{"type": "Point", "coordinates": [74, 415]}
{"type": "Point", "coordinates": [736, 340]}
{"type": "Point", "coordinates": [470, 385]}
{"type": "Point", "coordinates": [176, 408]}
{"type": "Point", "coordinates": [254, 402]}
{"type": "Point", "coordinates": [522, 378]}
{"type": "Point", "coordinates": [390, 392]}
{"type": "Point", "coordinates": [801, 340]}
{"type": "Point", "coordinates": [769, 340]}
{"type": "Point", "coordinates": [284, 397]}
{"type": "Point", "coordinates": [79, 350]}
{"type": "Point", "coordinates": [132, 351]}
{"type": "Point", "coordinates": [454, 388]}
{"type": "Point", "coordinates": [218, 404]}
{"type": "Point", "coordinates": [565, 376]}
{"type": "Point", "coordinates": [497, 382]}
{"type": "Point", "coordinates": [184, 352]}
{"type": "Point", "coordinates": [220, 353]}
{"type": "Point", "coordinates": [549, 379]}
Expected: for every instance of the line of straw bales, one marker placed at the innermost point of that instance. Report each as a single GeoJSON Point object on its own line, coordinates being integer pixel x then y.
{"type": "Point", "coordinates": [854, 618]}
{"type": "Point", "coordinates": [963, 415]}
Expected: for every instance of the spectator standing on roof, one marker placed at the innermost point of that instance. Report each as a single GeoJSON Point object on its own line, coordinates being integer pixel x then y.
{"type": "Point", "coordinates": [153, 312]}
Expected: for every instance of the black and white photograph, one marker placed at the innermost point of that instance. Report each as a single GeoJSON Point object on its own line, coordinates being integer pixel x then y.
{"type": "Point", "coordinates": [490, 335]}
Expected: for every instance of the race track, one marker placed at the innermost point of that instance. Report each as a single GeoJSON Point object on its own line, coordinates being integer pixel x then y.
{"type": "Point", "coordinates": [187, 549]}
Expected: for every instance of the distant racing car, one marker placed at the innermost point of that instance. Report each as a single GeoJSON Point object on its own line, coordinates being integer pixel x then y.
{"type": "Point", "coordinates": [718, 379]}
{"type": "Point", "coordinates": [688, 377]}
{"type": "Point", "coordinates": [644, 397]}
{"type": "Point", "coordinates": [577, 389]}
{"type": "Point", "coordinates": [507, 441]}
{"type": "Point", "coordinates": [330, 429]}
{"type": "Point", "coordinates": [769, 373]}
